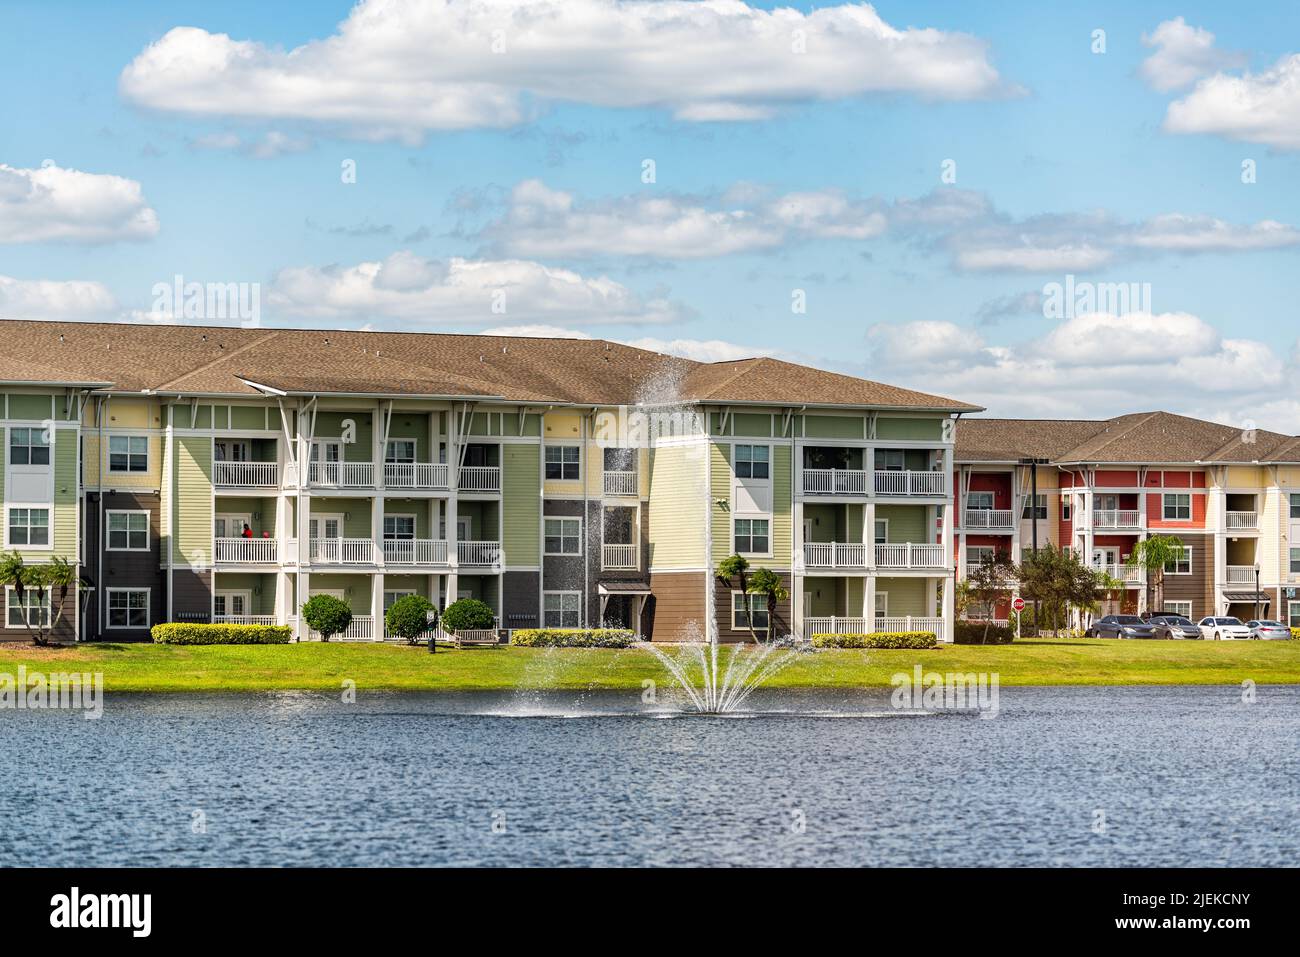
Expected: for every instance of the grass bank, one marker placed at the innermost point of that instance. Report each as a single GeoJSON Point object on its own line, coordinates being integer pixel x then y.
{"type": "Point", "coordinates": [128, 667]}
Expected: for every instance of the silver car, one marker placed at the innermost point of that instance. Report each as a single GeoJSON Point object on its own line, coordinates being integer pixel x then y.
{"type": "Point", "coordinates": [1267, 630]}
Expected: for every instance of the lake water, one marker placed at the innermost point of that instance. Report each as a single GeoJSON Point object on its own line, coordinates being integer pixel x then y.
{"type": "Point", "coordinates": [1062, 776]}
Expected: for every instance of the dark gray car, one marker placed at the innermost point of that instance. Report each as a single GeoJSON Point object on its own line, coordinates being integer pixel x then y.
{"type": "Point", "coordinates": [1121, 626]}
{"type": "Point", "coordinates": [1174, 626]}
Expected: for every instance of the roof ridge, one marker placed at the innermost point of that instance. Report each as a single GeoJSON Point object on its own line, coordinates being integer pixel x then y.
{"type": "Point", "coordinates": [260, 340]}
{"type": "Point", "coordinates": [1078, 451]}
{"type": "Point", "coordinates": [733, 376]}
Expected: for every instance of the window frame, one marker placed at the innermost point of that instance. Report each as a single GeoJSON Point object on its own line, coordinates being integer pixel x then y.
{"type": "Point", "coordinates": [1067, 511]}
{"type": "Point", "coordinates": [11, 606]}
{"type": "Point", "coordinates": [129, 513]}
{"type": "Point", "coordinates": [129, 454]}
{"type": "Point", "coordinates": [1186, 560]}
{"type": "Point", "coordinates": [757, 606]}
{"type": "Point", "coordinates": [1164, 507]}
{"type": "Point", "coordinates": [561, 595]}
{"type": "Point", "coordinates": [29, 545]}
{"type": "Point", "coordinates": [109, 594]}
{"type": "Point", "coordinates": [1293, 561]}
{"type": "Point", "coordinates": [562, 463]}
{"type": "Point", "coordinates": [736, 536]}
{"type": "Point", "coordinates": [877, 454]}
{"type": "Point", "coordinates": [1030, 504]}
{"type": "Point", "coordinates": [876, 537]}
{"type": "Point", "coordinates": [388, 453]}
{"type": "Point", "coordinates": [383, 527]}
{"type": "Point", "coordinates": [982, 493]}
{"type": "Point", "coordinates": [750, 462]}
{"type": "Point", "coordinates": [32, 433]}
{"type": "Point", "coordinates": [1170, 607]}
{"type": "Point", "coordinates": [1293, 505]}
{"type": "Point", "coordinates": [973, 562]}
{"type": "Point", "coordinates": [562, 536]}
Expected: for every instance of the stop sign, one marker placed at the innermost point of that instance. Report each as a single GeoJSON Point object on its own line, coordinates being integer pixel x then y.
{"type": "Point", "coordinates": [1017, 604]}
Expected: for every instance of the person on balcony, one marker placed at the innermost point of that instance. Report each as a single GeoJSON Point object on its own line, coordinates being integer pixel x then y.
{"type": "Point", "coordinates": [247, 532]}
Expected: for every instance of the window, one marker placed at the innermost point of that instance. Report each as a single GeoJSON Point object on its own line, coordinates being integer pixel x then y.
{"type": "Point", "coordinates": [31, 610]}
{"type": "Point", "coordinates": [882, 604]}
{"type": "Point", "coordinates": [977, 555]}
{"type": "Point", "coordinates": [128, 608]}
{"type": "Point", "coordinates": [1178, 507]}
{"type": "Point", "coordinates": [128, 531]}
{"type": "Point", "coordinates": [128, 453]}
{"type": "Point", "coordinates": [752, 536]}
{"type": "Point", "coordinates": [1293, 614]}
{"type": "Point", "coordinates": [400, 451]}
{"type": "Point", "coordinates": [1035, 507]}
{"type": "Point", "coordinates": [882, 531]}
{"type": "Point", "coordinates": [1295, 506]}
{"type": "Point", "coordinates": [562, 609]}
{"type": "Point", "coordinates": [979, 501]}
{"type": "Point", "coordinates": [562, 462]}
{"type": "Point", "coordinates": [563, 536]}
{"type": "Point", "coordinates": [399, 527]}
{"type": "Point", "coordinates": [1182, 566]}
{"type": "Point", "coordinates": [1065, 508]}
{"type": "Point", "coordinates": [746, 607]}
{"type": "Point", "coordinates": [1183, 608]}
{"type": "Point", "coordinates": [29, 526]}
{"type": "Point", "coordinates": [391, 596]}
{"type": "Point", "coordinates": [752, 461]}
{"type": "Point", "coordinates": [29, 447]}
{"type": "Point", "coordinates": [1295, 561]}
{"type": "Point", "coordinates": [227, 450]}
{"type": "Point", "coordinates": [889, 460]}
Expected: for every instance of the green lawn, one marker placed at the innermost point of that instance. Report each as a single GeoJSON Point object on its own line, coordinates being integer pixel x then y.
{"type": "Point", "coordinates": [326, 666]}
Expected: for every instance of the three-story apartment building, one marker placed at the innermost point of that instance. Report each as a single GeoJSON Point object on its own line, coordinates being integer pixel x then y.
{"type": "Point", "coordinates": [1232, 496]}
{"type": "Point", "coordinates": [227, 474]}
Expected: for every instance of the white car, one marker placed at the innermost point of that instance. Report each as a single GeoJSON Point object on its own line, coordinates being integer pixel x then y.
{"type": "Point", "coordinates": [1223, 629]}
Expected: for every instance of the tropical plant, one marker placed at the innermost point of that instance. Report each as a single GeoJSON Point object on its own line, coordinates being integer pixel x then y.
{"type": "Point", "coordinates": [468, 614]}
{"type": "Point", "coordinates": [768, 583]}
{"type": "Point", "coordinates": [989, 582]}
{"type": "Point", "coordinates": [1057, 581]}
{"type": "Point", "coordinates": [50, 582]}
{"type": "Point", "coordinates": [411, 617]}
{"type": "Point", "coordinates": [735, 569]}
{"type": "Point", "coordinates": [327, 614]}
{"type": "Point", "coordinates": [1152, 555]}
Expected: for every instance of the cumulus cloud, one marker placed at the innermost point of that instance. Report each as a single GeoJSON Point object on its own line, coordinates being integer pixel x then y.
{"type": "Point", "coordinates": [400, 70]}
{"type": "Point", "coordinates": [1183, 55]}
{"type": "Point", "coordinates": [53, 204]}
{"type": "Point", "coordinates": [1093, 366]}
{"type": "Point", "coordinates": [1251, 107]}
{"type": "Point", "coordinates": [55, 299]}
{"type": "Point", "coordinates": [408, 287]}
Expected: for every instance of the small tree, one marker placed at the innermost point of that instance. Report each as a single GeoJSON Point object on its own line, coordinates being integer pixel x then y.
{"type": "Point", "coordinates": [327, 614]}
{"type": "Point", "coordinates": [1152, 555]}
{"type": "Point", "coordinates": [411, 617]}
{"type": "Point", "coordinates": [468, 614]}
{"type": "Point", "coordinates": [52, 580]}
{"type": "Point", "coordinates": [737, 567]}
{"type": "Point", "coordinates": [768, 583]}
{"type": "Point", "coordinates": [990, 581]}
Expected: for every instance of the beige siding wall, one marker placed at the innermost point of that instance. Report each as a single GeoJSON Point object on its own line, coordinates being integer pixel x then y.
{"type": "Point", "coordinates": [677, 500]}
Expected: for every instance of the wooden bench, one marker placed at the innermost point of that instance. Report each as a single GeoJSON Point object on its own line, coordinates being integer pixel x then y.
{"type": "Point", "coordinates": [478, 637]}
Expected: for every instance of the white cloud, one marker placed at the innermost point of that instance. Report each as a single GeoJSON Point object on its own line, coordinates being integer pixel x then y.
{"type": "Point", "coordinates": [537, 330]}
{"type": "Point", "coordinates": [55, 299]}
{"type": "Point", "coordinates": [1253, 107]}
{"type": "Point", "coordinates": [701, 350]}
{"type": "Point", "coordinates": [407, 287]}
{"type": "Point", "coordinates": [1183, 55]}
{"type": "Point", "coordinates": [53, 204]}
{"type": "Point", "coordinates": [400, 70]}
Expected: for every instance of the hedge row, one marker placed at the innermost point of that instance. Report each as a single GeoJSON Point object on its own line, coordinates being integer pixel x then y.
{"type": "Point", "coordinates": [878, 639]}
{"type": "Point", "coordinates": [204, 634]}
{"type": "Point", "coordinates": [571, 637]}
{"type": "Point", "coordinates": [972, 633]}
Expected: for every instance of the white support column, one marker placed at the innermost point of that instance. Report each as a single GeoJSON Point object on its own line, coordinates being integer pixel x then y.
{"type": "Point", "coordinates": [869, 602]}
{"type": "Point", "coordinates": [377, 606]}
{"type": "Point", "coordinates": [796, 602]}
{"type": "Point", "coordinates": [949, 610]}
{"type": "Point", "coordinates": [453, 552]}
{"type": "Point", "coordinates": [869, 533]}
{"type": "Point", "coordinates": [304, 592]}
{"type": "Point", "coordinates": [377, 528]}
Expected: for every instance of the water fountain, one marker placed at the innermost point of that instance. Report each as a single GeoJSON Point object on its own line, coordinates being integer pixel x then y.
{"type": "Point", "coordinates": [725, 680]}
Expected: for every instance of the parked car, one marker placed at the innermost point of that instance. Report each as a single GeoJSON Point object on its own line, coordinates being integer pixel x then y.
{"type": "Point", "coordinates": [1268, 630]}
{"type": "Point", "coordinates": [1174, 626]}
{"type": "Point", "coordinates": [1223, 629]}
{"type": "Point", "coordinates": [1121, 626]}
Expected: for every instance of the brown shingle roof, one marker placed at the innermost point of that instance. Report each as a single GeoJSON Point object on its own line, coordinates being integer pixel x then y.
{"type": "Point", "coordinates": [223, 360]}
{"type": "Point", "coordinates": [1142, 437]}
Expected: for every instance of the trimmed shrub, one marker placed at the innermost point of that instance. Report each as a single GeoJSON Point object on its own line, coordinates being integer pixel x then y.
{"type": "Point", "coordinates": [467, 614]}
{"type": "Point", "coordinates": [1295, 634]}
{"type": "Point", "coordinates": [972, 633]}
{"type": "Point", "coordinates": [190, 633]}
{"type": "Point", "coordinates": [878, 639]}
{"type": "Point", "coordinates": [409, 618]}
{"type": "Point", "coordinates": [327, 614]}
{"type": "Point", "coordinates": [572, 637]}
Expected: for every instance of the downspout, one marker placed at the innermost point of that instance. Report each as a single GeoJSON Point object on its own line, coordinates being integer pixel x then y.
{"type": "Point", "coordinates": [101, 594]}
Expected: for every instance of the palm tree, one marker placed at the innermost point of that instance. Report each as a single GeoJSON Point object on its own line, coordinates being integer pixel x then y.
{"type": "Point", "coordinates": [1152, 555]}
{"type": "Point", "coordinates": [55, 578]}
{"type": "Point", "coordinates": [737, 567]}
{"type": "Point", "coordinates": [768, 583]}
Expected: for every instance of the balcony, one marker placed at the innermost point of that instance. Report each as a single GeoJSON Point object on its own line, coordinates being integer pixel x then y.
{"type": "Point", "coordinates": [1241, 575]}
{"type": "Point", "coordinates": [618, 557]}
{"type": "Point", "coordinates": [927, 484]}
{"type": "Point", "coordinates": [620, 483]}
{"type": "Point", "coordinates": [484, 554]}
{"type": "Point", "coordinates": [244, 620]}
{"type": "Point", "coordinates": [910, 623]}
{"type": "Point", "coordinates": [1243, 520]}
{"type": "Point", "coordinates": [834, 555]}
{"type": "Point", "coordinates": [855, 626]}
{"type": "Point", "coordinates": [414, 551]}
{"type": "Point", "coordinates": [834, 481]}
{"type": "Point", "coordinates": [362, 628]}
{"type": "Point", "coordinates": [480, 478]}
{"type": "Point", "coordinates": [1128, 574]}
{"type": "Point", "coordinates": [1116, 518]}
{"type": "Point", "coordinates": [246, 474]}
{"type": "Point", "coordinates": [995, 518]}
{"type": "Point", "coordinates": [244, 551]}
{"type": "Point", "coordinates": [342, 474]}
{"type": "Point", "coordinates": [909, 555]}
{"type": "Point", "coordinates": [427, 476]}
{"type": "Point", "coordinates": [342, 551]}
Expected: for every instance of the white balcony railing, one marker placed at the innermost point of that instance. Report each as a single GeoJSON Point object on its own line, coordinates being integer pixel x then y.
{"type": "Point", "coordinates": [342, 551]}
{"type": "Point", "coordinates": [989, 518]}
{"type": "Point", "coordinates": [362, 628]}
{"type": "Point", "coordinates": [1243, 519]}
{"type": "Point", "coordinates": [1129, 574]}
{"type": "Point", "coordinates": [478, 553]}
{"type": "Point", "coordinates": [244, 551]}
{"type": "Point", "coordinates": [417, 475]}
{"type": "Point", "coordinates": [1241, 575]}
{"type": "Point", "coordinates": [834, 555]}
{"type": "Point", "coordinates": [620, 483]}
{"type": "Point", "coordinates": [910, 483]}
{"type": "Point", "coordinates": [415, 551]}
{"type": "Point", "coordinates": [1116, 518]}
{"type": "Point", "coordinates": [244, 619]}
{"type": "Point", "coordinates": [835, 626]}
{"type": "Point", "coordinates": [246, 474]}
{"type": "Point", "coordinates": [910, 623]}
{"type": "Point", "coordinates": [618, 557]}
{"type": "Point", "coordinates": [342, 474]}
{"type": "Point", "coordinates": [480, 478]}
{"type": "Point", "coordinates": [834, 482]}
{"type": "Point", "coordinates": [909, 555]}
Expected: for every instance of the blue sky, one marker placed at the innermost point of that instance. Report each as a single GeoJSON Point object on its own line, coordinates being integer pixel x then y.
{"type": "Point", "coordinates": [812, 182]}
